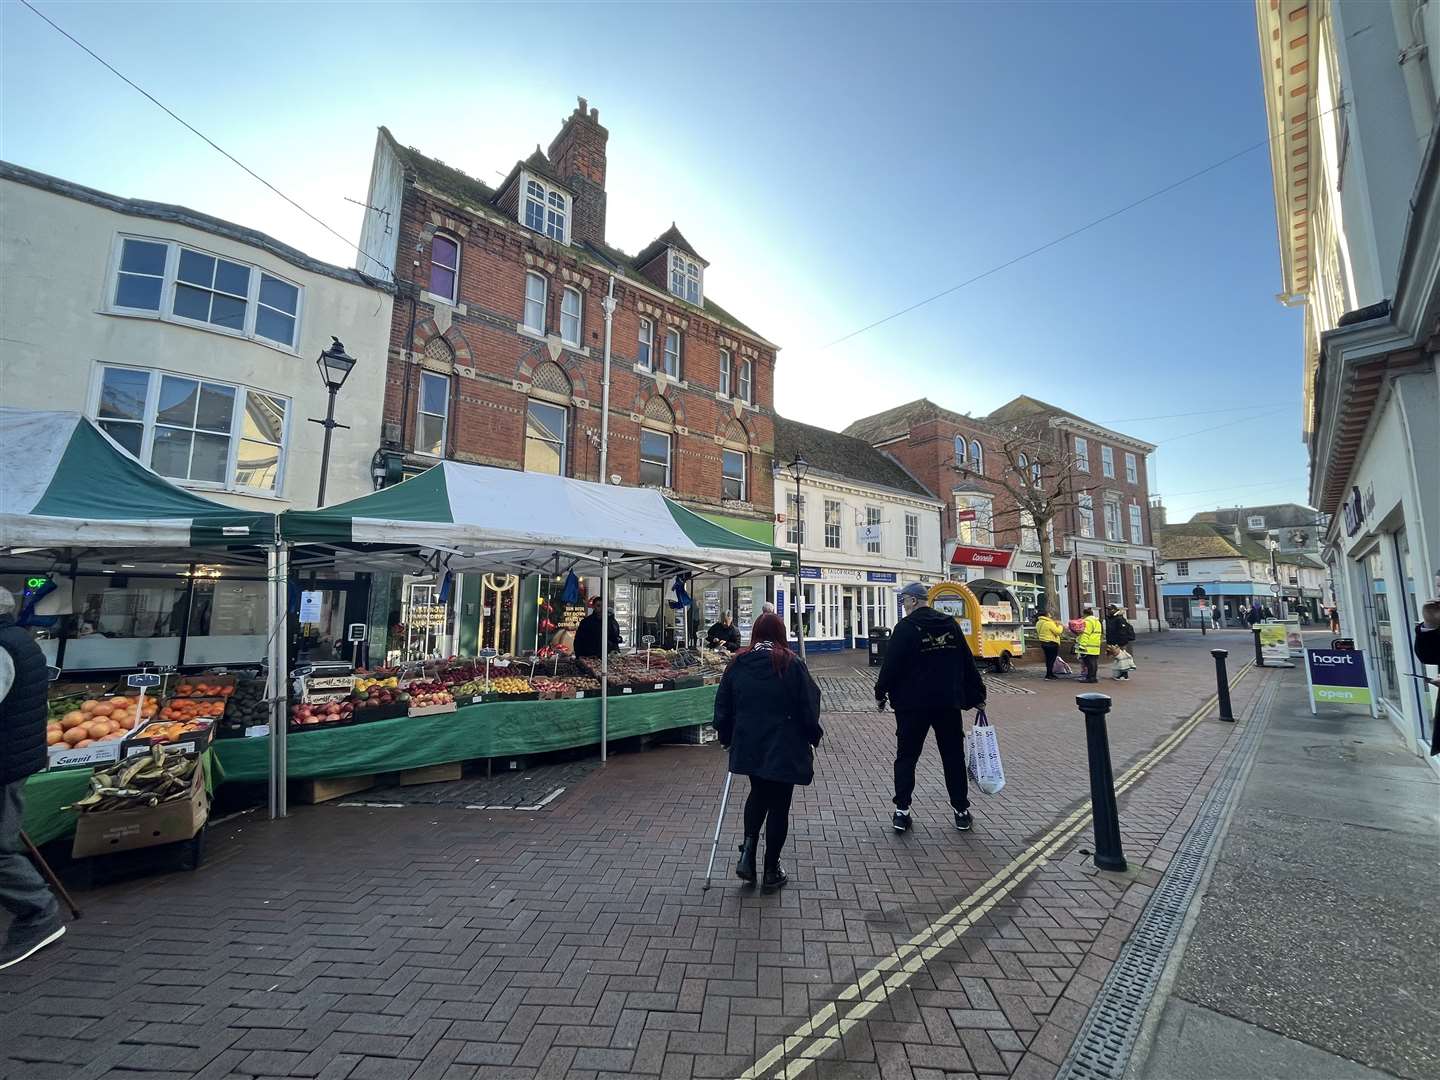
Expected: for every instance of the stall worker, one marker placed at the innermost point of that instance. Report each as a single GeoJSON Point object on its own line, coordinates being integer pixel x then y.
{"type": "Point", "coordinates": [587, 634]}
{"type": "Point", "coordinates": [723, 634]}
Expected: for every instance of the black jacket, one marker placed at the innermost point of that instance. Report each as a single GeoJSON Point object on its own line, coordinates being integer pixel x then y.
{"type": "Point", "coordinates": [587, 635]}
{"type": "Point", "coordinates": [769, 721]}
{"type": "Point", "coordinates": [1427, 651]}
{"type": "Point", "coordinates": [725, 635]}
{"type": "Point", "coordinates": [928, 666]}
{"type": "Point", "coordinates": [1118, 630]}
{"type": "Point", "coordinates": [23, 709]}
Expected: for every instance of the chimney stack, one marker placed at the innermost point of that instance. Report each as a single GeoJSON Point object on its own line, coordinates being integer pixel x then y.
{"type": "Point", "coordinates": [578, 156]}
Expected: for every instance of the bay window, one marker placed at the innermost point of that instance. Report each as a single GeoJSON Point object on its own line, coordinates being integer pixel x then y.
{"type": "Point", "coordinates": [973, 520]}
{"type": "Point", "coordinates": [176, 283]}
{"type": "Point", "coordinates": [196, 431]}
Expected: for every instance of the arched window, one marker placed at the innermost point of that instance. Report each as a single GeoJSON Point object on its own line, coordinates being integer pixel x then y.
{"type": "Point", "coordinates": [959, 449]}
{"type": "Point", "coordinates": [444, 267]}
{"type": "Point", "coordinates": [535, 290]}
{"type": "Point", "coordinates": [570, 316]}
{"type": "Point", "coordinates": [1035, 474]}
{"type": "Point", "coordinates": [1024, 462]}
{"type": "Point", "coordinates": [977, 457]}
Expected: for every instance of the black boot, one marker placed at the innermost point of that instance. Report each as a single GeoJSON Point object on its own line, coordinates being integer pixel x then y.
{"type": "Point", "coordinates": [775, 878]}
{"type": "Point", "coordinates": [745, 868]}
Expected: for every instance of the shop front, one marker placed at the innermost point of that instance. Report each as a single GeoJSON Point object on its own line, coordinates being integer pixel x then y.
{"type": "Point", "coordinates": [1024, 571]}
{"type": "Point", "coordinates": [841, 605]}
{"type": "Point", "coordinates": [1113, 573]}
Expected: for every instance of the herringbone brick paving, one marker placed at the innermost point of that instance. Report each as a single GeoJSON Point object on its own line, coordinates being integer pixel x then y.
{"type": "Point", "coordinates": [434, 942]}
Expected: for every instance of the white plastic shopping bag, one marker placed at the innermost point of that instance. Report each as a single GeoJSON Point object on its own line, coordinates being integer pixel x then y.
{"type": "Point", "coordinates": [982, 756]}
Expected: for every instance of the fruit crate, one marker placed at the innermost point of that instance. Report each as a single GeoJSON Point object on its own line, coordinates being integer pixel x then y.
{"type": "Point", "coordinates": [392, 711]}
{"type": "Point", "coordinates": [191, 742]}
{"type": "Point", "coordinates": [490, 698]}
{"type": "Point", "coordinates": [432, 710]}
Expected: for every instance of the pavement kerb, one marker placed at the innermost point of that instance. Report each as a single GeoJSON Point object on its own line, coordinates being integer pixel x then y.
{"type": "Point", "coordinates": [796, 1052]}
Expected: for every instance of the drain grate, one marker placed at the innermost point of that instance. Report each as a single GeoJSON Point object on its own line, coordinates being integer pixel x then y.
{"type": "Point", "coordinates": [1102, 1049]}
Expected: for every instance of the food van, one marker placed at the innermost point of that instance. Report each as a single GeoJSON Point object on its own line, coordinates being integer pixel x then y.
{"type": "Point", "coordinates": [989, 617]}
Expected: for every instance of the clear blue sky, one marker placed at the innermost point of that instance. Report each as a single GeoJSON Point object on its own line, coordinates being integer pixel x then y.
{"type": "Point", "coordinates": [834, 164]}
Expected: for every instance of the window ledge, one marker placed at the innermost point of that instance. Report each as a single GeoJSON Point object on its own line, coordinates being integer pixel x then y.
{"type": "Point", "coordinates": [535, 335]}
{"type": "Point", "coordinates": [679, 384]}
{"type": "Point", "coordinates": [190, 324]}
{"type": "Point", "coordinates": [454, 305]}
{"type": "Point", "coordinates": [220, 489]}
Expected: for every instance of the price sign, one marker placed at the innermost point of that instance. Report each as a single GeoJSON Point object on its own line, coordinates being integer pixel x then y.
{"type": "Point", "coordinates": [356, 632]}
{"type": "Point", "coordinates": [142, 680]}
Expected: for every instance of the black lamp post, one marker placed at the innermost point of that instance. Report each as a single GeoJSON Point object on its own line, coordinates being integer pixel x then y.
{"type": "Point", "coordinates": [798, 470]}
{"type": "Point", "coordinates": [335, 366]}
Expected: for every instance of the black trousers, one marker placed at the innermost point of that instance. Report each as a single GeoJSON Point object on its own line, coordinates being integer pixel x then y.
{"type": "Point", "coordinates": [1051, 651]}
{"type": "Point", "coordinates": [1092, 667]}
{"type": "Point", "coordinates": [769, 805]}
{"type": "Point", "coordinates": [911, 728]}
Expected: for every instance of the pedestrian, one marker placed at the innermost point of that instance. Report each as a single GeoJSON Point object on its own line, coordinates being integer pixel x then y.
{"type": "Point", "coordinates": [35, 916]}
{"type": "Point", "coordinates": [767, 608]}
{"type": "Point", "coordinates": [767, 713]}
{"type": "Point", "coordinates": [587, 634]}
{"type": "Point", "coordinates": [929, 677]}
{"type": "Point", "coordinates": [723, 634]}
{"type": "Point", "coordinates": [1087, 644]}
{"type": "Point", "coordinates": [1427, 651]}
{"type": "Point", "coordinates": [1124, 663]}
{"type": "Point", "coordinates": [1118, 630]}
{"type": "Point", "coordinates": [1334, 619]}
{"type": "Point", "coordinates": [1048, 630]}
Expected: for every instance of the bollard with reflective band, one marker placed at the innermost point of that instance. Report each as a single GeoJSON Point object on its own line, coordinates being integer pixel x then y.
{"type": "Point", "coordinates": [1108, 855]}
{"type": "Point", "coordinates": [1222, 684]}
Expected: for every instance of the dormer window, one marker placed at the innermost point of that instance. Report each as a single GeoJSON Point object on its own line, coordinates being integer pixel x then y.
{"type": "Point", "coordinates": [685, 277]}
{"type": "Point", "coordinates": [546, 209]}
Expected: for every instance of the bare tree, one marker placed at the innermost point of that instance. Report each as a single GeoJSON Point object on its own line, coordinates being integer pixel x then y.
{"type": "Point", "coordinates": [1038, 472]}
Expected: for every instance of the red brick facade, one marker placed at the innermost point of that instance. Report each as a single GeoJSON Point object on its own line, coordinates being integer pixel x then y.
{"type": "Point", "coordinates": [495, 365]}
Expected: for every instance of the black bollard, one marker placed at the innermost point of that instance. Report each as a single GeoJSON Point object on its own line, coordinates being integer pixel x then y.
{"type": "Point", "coordinates": [1108, 855]}
{"type": "Point", "coordinates": [1259, 657]}
{"type": "Point", "coordinates": [1222, 684]}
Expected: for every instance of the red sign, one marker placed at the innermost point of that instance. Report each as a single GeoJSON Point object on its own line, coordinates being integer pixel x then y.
{"type": "Point", "coordinates": [978, 556]}
{"type": "Point", "coordinates": [965, 515]}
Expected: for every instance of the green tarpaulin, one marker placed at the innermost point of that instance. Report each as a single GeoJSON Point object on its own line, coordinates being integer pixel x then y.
{"type": "Point", "coordinates": [478, 731]}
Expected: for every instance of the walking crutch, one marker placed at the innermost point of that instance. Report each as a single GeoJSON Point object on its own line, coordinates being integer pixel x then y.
{"type": "Point", "coordinates": [714, 847]}
{"type": "Point", "coordinates": [49, 874]}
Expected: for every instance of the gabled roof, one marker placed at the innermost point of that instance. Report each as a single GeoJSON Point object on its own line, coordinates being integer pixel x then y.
{"type": "Point", "coordinates": [897, 422]}
{"type": "Point", "coordinates": [466, 190]}
{"type": "Point", "coordinates": [671, 237]}
{"type": "Point", "coordinates": [1198, 540]}
{"type": "Point", "coordinates": [842, 457]}
{"type": "Point", "coordinates": [1025, 405]}
{"type": "Point", "coordinates": [1276, 515]}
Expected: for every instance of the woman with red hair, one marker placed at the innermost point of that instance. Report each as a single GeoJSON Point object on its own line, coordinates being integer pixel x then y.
{"type": "Point", "coordinates": [767, 713]}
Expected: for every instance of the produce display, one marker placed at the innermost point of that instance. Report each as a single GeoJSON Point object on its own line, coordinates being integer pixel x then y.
{"type": "Point", "coordinates": [145, 780]}
{"type": "Point", "coordinates": [423, 695]}
{"type": "Point", "coordinates": [160, 732]}
{"type": "Point", "coordinates": [183, 709]}
{"type": "Point", "coordinates": [216, 686]}
{"type": "Point", "coordinates": [511, 684]}
{"type": "Point", "coordinates": [246, 707]}
{"type": "Point", "coordinates": [366, 683]}
{"type": "Point", "coordinates": [313, 715]}
{"type": "Point", "coordinates": [373, 694]}
{"type": "Point", "coordinates": [98, 720]}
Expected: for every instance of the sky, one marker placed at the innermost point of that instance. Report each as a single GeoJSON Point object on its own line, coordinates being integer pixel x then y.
{"type": "Point", "coordinates": [835, 164]}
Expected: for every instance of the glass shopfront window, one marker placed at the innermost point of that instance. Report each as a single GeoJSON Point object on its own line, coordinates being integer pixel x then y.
{"type": "Point", "coordinates": [121, 621]}
{"type": "Point", "coordinates": [1381, 630]}
{"type": "Point", "coordinates": [227, 623]}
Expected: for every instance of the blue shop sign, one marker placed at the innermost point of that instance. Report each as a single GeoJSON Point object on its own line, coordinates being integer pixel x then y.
{"type": "Point", "coordinates": [811, 573]}
{"type": "Point", "coordinates": [880, 575]}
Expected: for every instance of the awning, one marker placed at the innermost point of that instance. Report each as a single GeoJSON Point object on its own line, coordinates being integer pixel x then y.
{"type": "Point", "coordinates": [477, 517]}
{"type": "Point", "coordinates": [65, 483]}
{"type": "Point", "coordinates": [764, 531]}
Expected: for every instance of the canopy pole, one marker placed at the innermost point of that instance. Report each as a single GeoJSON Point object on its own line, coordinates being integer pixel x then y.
{"type": "Point", "coordinates": [604, 653]}
{"type": "Point", "coordinates": [277, 575]}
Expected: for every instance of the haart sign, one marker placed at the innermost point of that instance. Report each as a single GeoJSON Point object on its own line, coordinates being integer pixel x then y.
{"type": "Point", "coordinates": [1337, 677]}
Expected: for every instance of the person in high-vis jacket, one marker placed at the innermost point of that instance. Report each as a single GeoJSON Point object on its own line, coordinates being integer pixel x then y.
{"type": "Point", "coordinates": [929, 676]}
{"type": "Point", "coordinates": [1048, 630]}
{"type": "Point", "coordinates": [1087, 645]}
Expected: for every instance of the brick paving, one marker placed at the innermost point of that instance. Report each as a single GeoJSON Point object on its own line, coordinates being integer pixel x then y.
{"type": "Point", "coordinates": [439, 943]}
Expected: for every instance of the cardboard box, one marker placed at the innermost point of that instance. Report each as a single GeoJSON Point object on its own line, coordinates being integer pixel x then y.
{"type": "Point", "coordinates": [432, 710]}
{"type": "Point", "coordinates": [127, 830]}
{"type": "Point", "coordinates": [431, 774]}
{"type": "Point", "coordinates": [332, 787]}
{"type": "Point", "coordinates": [193, 743]}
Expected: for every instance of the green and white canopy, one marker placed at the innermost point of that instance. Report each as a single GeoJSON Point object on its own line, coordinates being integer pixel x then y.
{"type": "Point", "coordinates": [65, 483]}
{"type": "Point", "coordinates": [471, 517]}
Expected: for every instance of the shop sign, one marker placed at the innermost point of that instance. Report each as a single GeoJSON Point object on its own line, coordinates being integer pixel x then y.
{"type": "Point", "coordinates": [869, 534]}
{"type": "Point", "coordinates": [745, 609]}
{"type": "Point", "coordinates": [1354, 512]}
{"type": "Point", "coordinates": [1025, 563]}
{"type": "Point", "coordinates": [977, 556]}
{"type": "Point", "coordinates": [1274, 649]}
{"type": "Point", "coordinates": [881, 575]}
{"type": "Point", "coordinates": [780, 602]}
{"type": "Point", "coordinates": [1116, 550]}
{"type": "Point", "coordinates": [832, 574]}
{"type": "Point", "coordinates": [810, 573]}
{"type": "Point", "coordinates": [1337, 677]}
{"type": "Point", "coordinates": [712, 605]}
{"type": "Point", "coordinates": [966, 515]}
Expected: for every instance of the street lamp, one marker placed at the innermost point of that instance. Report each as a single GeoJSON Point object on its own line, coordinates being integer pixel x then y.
{"type": "Point", "coordinates": [335, 366]}
{"type": "Point", "coordinates": [798, 469]}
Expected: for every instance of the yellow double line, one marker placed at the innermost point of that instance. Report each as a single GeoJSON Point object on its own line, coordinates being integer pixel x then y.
{"type": "Point", "coordinates": [797, 1052]}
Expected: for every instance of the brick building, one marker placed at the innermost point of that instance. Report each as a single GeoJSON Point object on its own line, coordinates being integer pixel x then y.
{"type": "Point", "coordinates": [1102, 546]}
{"type": "Point", "coordinates": [499, 337]}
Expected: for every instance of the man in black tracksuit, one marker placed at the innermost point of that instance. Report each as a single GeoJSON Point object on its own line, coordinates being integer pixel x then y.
{"type": "Point", "coordinates": [929, 676]}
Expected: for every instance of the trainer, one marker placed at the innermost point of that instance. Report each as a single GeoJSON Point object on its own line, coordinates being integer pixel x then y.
{"type": "Point", "coordinates": [929, 676]}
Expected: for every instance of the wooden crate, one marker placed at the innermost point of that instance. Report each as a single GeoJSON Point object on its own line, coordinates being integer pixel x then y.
{"type": "Point", "coordinates": [431, 774]}
{"type": "Point", "coordinates": [326, 788]}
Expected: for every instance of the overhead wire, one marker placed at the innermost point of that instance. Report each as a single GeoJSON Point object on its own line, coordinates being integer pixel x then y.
{"type": "Point", "coordinates": [200, 134]}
